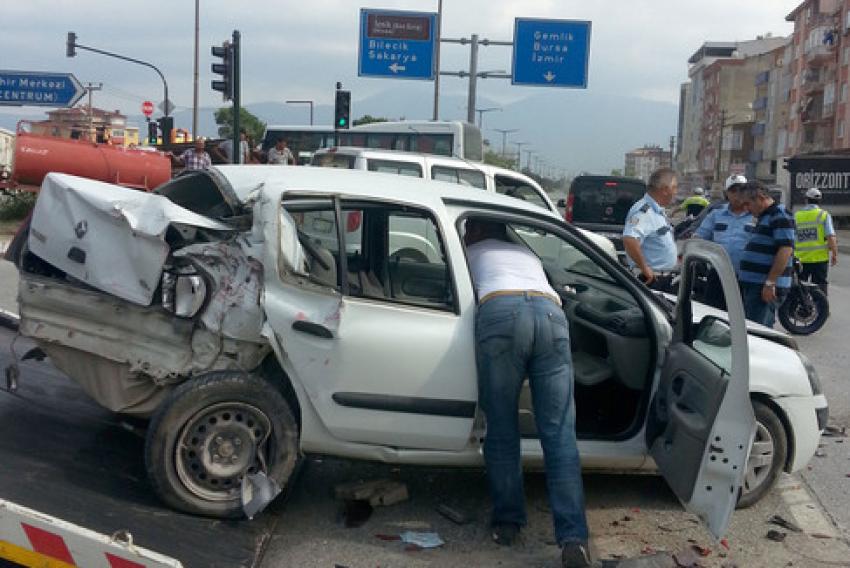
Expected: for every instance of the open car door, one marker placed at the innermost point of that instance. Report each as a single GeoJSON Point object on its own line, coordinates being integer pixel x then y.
{"type": "Point", "coordinates": [701, 421]}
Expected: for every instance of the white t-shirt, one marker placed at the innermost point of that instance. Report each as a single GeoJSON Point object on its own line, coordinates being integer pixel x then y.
{"type": "Point", "coordinates": [498, 265]}
{"type": "Point", "coordinates": [280, 156]}
{"type": "Point", "coordinates": [227, 148]}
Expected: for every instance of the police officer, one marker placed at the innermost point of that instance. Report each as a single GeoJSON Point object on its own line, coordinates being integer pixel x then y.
{"type": "Point", "coordinates": [648, 236]}
{"type": "Point", "coordinates": [695, 203]}
{"type": "Point", "coordinates": [816, 243]}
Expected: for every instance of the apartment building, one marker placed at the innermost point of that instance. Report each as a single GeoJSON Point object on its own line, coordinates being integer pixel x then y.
{"type": "Point", "coordinates": [721, 78]}
{"type": "Point", "coordinates": [641, 162]}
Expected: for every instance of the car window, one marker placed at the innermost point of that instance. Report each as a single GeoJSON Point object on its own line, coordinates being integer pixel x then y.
{"type": "Point", "coordinates": [714, 340]}
{"type": "Point", "coordinates": [395, 167]}
{"type": "Point", "coordinates": [315, 222]}
{"type": "Point", "coordinates": [462, 176]}
{"type": "Point", "coordinates": [333, 160]}
{"type": "Point", "coordinates": [514, 187]}
{"type": "Point", "coordinates": [604, 200]}
{"type": "Point", "coordinates": [392, 254]}
{"type": "Point", "coordinates": [557, 254]}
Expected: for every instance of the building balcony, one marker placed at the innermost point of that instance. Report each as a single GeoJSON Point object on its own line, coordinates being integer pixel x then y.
{"type": "Point", "coordinates": [763, 78]}
{"type": "Point", "coordinates": [758, 129]}
{"type": "Point", "coordinates": [815, 116]}
{"type": "Point", "coordinates": [760, 103]}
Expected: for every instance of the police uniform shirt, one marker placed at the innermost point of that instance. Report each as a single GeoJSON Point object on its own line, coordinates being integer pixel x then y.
{"type": "Point", "coordinates": [730, 230]}
{"type": "Point", "coordinates": [647, 222]}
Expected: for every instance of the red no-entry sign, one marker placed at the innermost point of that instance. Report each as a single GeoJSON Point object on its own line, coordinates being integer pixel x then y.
{"type": "Point", "coordinates": [147, 108]}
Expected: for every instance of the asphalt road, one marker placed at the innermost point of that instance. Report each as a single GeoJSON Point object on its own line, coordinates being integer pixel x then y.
{"type": "Point", "coordinates": [629, 515]}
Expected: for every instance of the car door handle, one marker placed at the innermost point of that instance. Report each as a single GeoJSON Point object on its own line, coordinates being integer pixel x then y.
{"type": "Point", "coordinates": [313, 329]}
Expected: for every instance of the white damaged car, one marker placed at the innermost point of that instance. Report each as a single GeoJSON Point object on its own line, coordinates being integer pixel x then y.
{"type": "Point", "coordinates": [257, 314]}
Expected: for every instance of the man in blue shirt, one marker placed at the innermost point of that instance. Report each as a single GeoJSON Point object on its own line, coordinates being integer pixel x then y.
{"type": "Point", "coordinates": [648, 236]}
{"type": "Point", "coordinates": [729, 225]}
{"type": "Point", "coordinates": [765, 269]}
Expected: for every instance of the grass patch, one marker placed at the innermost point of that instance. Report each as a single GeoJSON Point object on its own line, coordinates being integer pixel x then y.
{"type": "Point", "coordinates": [16, 206]}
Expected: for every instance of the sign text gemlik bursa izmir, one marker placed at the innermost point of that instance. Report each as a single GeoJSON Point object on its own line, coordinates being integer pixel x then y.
{"type": "Point", "coordinates": [551, 53]}
{"type": "Point", "coordinates": [397, 44]}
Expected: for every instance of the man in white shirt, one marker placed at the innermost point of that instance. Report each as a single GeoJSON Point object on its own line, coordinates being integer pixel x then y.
{"type": "Point", "coordinates": [521, 330]}
{"type": "Point", "coordinates": [225, 150]}
{"type": "Point", "coordinates": [280, 153]}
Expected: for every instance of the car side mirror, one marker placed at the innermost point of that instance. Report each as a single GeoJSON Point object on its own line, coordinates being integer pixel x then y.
{"type": "Point", "coordinates": [562, 202]}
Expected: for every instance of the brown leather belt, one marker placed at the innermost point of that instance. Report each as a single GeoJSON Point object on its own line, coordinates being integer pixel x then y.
{"type": "Point", "coordinates": [533, 293]}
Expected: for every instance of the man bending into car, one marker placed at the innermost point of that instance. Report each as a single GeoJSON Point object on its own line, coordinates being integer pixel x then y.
{"type": "Point", "coordinates": [520, 330]}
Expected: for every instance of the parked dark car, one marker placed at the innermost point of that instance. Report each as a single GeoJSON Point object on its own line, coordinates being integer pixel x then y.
{"type": "Point", "coordinates": [601, 203]}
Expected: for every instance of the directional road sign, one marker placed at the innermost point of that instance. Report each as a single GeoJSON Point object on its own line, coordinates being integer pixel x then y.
{"type": "Point", "coordinates": [167, 107]}
{"type": "Point", "coordinates": [397, 44]}
{"type": "Point", "coordinates": [33, 88]}
{"type": "Point", "coordinates": [551, 53]}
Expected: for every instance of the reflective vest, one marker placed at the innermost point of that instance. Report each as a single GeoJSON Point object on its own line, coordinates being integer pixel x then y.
{"type": "Point", "coordinates": [811, 236]}
{"type": "Point", "coordinates": [695, 200]}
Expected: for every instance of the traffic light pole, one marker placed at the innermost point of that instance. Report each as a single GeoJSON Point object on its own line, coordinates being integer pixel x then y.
{"type": "Point", "coordinates": [72, 43]}
{"type": "Point", "coordinates": [236, 153]}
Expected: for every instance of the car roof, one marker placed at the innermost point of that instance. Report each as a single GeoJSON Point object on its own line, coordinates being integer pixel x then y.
{"type": "Point", "coordinates": [619, 179]}
{"type": "Point", "coordinates": [274, 180]}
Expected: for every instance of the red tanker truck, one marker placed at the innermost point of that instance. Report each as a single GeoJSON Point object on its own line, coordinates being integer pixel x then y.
{"type": "Point", "coordinates": [35, 155]}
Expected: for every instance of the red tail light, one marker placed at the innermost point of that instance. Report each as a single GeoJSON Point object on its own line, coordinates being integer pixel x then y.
{"type": "Point", "coordinates": [352, 222]}
{"type": "Point", "coordinates": [568, 212]}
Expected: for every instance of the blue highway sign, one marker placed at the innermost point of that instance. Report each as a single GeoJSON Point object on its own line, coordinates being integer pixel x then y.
{"type": "Point", "coordinates": [551, 53]}
{"type": "Point", "coordinates": [397, 44]}
{"type": "Point", "coordinates": [32, 88]}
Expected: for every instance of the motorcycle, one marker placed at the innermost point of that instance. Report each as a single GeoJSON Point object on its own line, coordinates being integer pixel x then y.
{"type": "Point", "coordinates": [805, 308]}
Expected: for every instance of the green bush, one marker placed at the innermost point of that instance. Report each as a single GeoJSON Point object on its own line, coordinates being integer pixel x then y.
{"type": "Point", "coordinates": [16, 206]}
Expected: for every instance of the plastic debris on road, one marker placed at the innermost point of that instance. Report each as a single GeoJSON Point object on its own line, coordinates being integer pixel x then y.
{"type": "Point", "coordinates": [422, 539]}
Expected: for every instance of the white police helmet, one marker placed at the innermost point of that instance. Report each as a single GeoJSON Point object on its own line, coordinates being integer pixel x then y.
{"type": "Point", "coordinates": [699, 191]}
{"type": "Point", "coordinates": [813, 193]}
{"type": "Point", "coordinates": [735, 179]}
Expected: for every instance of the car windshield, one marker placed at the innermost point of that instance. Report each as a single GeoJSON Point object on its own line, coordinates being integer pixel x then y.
{"type": "Point", "coordinates": [604, 200]}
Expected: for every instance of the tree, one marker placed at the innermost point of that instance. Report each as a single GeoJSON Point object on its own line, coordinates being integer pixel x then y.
{"type": "Point", "coordinates": [254, 127]}
{"type": "Point", "coordinates": [495, 159]}
{"type": "Point", "coordinates": [616, 172]}
{"type": "Point", "coordinates": [368, 119]}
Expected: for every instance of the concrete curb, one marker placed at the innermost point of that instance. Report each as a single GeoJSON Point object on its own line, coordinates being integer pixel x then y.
{"type": "Point", "coordinates": [9, 320]}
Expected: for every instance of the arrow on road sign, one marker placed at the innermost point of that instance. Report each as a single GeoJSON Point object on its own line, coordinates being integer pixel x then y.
{"type": "Point", "coordinates": [549, 76]}
{"type": "Point", "coordinates": [395, 67]}
{"type": "Point", "coordinates": [33, 88]}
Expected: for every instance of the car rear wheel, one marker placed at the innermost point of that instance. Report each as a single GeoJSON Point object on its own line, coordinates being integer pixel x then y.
{"type": "Point", "coordinates": [213, 430]}
{"type": "Point", "coordinates": [767, 455]}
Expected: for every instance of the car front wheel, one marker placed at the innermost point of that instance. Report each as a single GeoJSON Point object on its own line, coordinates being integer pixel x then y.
{"type": "Point", "coordinates": [213, 430]}
{"type": "Point", "coordinates": [767, 455]}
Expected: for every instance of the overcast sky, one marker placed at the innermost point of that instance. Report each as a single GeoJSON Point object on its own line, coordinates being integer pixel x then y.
{"type": "Point", "coordinates": [298, 50]}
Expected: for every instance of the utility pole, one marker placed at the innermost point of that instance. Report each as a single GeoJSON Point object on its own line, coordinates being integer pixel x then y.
{"type": "Point", "coordinates": [197, 62]}
{"type": "Point", "coordinates": [719, 146]}
{"type": "Point", "coordinates": [672, 146]}
{"type": "Point", "coordinates": [91, 87]}
{"type": "Point", "coordinates": [505, 137]}
{"type": "Point", "coordinates": [474, 74]}
{"type": "Point", "coordinates": [527, 160]}
{"type": "Point", "coordinates": [437, 60]}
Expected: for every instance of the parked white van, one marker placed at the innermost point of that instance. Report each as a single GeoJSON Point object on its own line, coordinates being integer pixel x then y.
{"type": "Point", "coordinates": [439, 168]}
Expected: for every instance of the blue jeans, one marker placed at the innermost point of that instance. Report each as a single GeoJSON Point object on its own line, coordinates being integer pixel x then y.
{"type": "Point", "coordinates": [519, 336]}
{"type": "Point", "coordinates": [756, 309]}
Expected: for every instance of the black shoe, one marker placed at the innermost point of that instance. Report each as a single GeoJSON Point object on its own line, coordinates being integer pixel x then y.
{"type": "Point", "coordinates": [575, 555]}
{"type": "Point", "coordinates": [505, 534]}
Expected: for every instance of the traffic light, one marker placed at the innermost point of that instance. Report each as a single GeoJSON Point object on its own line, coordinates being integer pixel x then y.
{"type": "Point", "coordinates": [342, 109]}
{"type": "Point", "coordinates": [225, 69]}
{"type": "Point", "coordinates": [166, 125]}
{"type": "Point", "coordinates": [71, 45]}
{"type": "Point", "coordinates": [153, 133]}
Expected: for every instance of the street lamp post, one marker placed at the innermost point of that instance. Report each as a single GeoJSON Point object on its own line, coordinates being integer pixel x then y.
{"type": "Point", "coordinates": [305, 102]}
{"type": "Point", "coordinates": [481, 112]}
{"type": "Point", "coordinates": [505, 136]}
{"type": "Point", "coordinates": [72, 44]}
{"type": "Point", "coordinates": [519, 146]}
